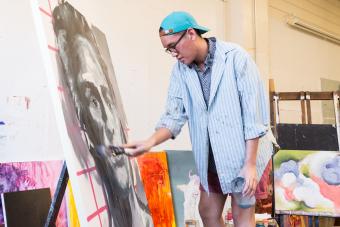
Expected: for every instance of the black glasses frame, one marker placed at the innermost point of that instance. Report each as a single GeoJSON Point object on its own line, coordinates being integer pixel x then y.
{"type": "Point", "coordinates": [172, 48]}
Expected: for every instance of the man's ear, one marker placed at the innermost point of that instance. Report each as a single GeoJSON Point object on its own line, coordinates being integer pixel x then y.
{"type": "Point", "coordinates": [192, 33]}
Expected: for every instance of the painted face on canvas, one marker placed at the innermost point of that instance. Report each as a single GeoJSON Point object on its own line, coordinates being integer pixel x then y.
{"type": "Point", "coordinates": [97, 106]}
{"type": "Point", "coordinates": [99, 109]}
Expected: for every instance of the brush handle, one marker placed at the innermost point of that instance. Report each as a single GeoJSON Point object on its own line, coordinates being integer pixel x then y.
{"type": "Point", "coordinates": [116, 150]}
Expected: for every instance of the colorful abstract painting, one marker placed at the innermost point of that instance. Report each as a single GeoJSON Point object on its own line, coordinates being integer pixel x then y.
{"type": "Point", "coordinates": [21, 176]}
{"type": "Point", "coordinates": [185, 187]}
{"type": "Point", "coordinates": [307, 182]}
{"type": "Point", "coordinates": [89, 114]}
{"type": "Point", "coordinates": [155, 176]}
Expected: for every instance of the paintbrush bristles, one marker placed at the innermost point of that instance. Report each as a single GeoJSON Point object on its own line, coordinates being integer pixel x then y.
{"type": "Point", "coordinates": [117, 150]}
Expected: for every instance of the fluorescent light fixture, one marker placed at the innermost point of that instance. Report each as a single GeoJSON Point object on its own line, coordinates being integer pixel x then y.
{"type": "Point", "coordinates": [305, 26]}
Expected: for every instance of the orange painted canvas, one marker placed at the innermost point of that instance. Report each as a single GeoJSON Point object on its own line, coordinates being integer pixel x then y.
{"type": "Point", "coordinates": [155, 176]}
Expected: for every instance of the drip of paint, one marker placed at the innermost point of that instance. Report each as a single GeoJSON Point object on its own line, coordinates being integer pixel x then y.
{"type": "Point", "coordinates": [28, 101]}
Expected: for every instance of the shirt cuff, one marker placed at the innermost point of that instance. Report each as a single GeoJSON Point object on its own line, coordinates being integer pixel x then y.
{"type": "Point", "coordinates": [255, 131]}
{"type": "Point", "coordinates": [171, 125]}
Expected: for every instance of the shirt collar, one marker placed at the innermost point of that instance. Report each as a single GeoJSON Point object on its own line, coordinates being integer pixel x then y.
{"type": "Point", "coordinates": [209, 60]}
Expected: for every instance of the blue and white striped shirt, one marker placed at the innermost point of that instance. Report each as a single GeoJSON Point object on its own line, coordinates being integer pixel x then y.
{"type": "Point", "coordinates": [236, 112]}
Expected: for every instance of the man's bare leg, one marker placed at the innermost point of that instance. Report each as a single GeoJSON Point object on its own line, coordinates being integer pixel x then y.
{"type": "Point", "coordinates": [211, 207]}
{"type": "Point", "coordinates": [242, 217]}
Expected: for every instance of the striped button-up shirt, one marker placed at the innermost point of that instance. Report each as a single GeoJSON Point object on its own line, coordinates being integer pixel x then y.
{"type": "Point", "coordinates": [237, 111]}
{"type": "Point", "coordinates": [205, 79]}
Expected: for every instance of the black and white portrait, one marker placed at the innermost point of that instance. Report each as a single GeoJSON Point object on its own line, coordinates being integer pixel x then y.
{"type": "Point", "coordinates": [94, 115]}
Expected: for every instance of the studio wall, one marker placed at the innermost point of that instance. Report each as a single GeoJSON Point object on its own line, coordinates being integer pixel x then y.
{"type": "Point", "coordinates": [299, 60]}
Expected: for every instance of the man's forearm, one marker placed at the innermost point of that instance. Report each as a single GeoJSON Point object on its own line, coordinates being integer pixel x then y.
{"type": "Point", "coordinates": [160, 136]}
{"type": "Point", "coordinates": [251, 151]}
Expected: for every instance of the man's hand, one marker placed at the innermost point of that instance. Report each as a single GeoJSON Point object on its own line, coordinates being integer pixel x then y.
{"type": "Point", "coordinates": [137, 148]}
{"type": "Point", "coordinates": [134, 149]}
{"type": "Point", "coordinates": [250, 177]}
{"type": "Point", "coordinates": [249, 168]}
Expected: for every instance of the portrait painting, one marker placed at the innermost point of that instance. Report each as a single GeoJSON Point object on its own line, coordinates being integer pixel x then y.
{"type": "Point", "coordinates": [89, 111]}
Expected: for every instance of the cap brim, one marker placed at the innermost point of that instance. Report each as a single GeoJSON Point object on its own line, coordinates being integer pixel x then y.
{"type": "Point", "coordinates": [199, 28]}
{"type": "Point", "coordinates": [202, 29]}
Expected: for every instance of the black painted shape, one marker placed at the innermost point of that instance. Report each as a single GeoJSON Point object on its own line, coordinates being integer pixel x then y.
{"type": "Point", "coordinates": [26, 208]}
{"type": "Point", "coordinates": [307, 137]}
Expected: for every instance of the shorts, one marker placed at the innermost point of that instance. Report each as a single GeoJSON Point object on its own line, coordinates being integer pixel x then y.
{"type": "Point", "coordinates": [215, 186]}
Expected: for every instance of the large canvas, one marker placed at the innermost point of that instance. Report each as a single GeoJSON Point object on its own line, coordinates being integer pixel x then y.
{"type": "Point", "coordinates": [21, 176]}
{"type": "Point", "coordinates": [89, 111]}
{"type": "Point", "coordinates": [184, 186]}
{"type": "Point", "coordinates": [307, 182]}
{"type": "Point", "coordinates": [155, 176]}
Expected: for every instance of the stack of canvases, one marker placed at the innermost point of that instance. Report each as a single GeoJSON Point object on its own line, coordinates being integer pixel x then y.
{"type": "Point", "coordinates": [22, 176]}
{"type": "Point", "coordinates": [166, 172]}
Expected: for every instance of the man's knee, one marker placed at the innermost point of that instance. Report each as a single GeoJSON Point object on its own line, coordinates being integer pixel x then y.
{"type": "Point", "coordinates": [208, 209]}
{"type": "Point", "coordinates": [204, 209]}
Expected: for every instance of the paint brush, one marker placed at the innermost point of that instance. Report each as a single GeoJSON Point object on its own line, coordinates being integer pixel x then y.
{"type": "Point", "coordinates": [114, 150]}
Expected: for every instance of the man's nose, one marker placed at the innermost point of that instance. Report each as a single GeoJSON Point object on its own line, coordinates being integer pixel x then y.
{"type": "Point", "coordinates": [174, 54]}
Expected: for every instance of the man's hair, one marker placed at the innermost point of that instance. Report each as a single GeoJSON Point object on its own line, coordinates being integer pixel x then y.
{"type": "Point", "coordinates": [196, 30]}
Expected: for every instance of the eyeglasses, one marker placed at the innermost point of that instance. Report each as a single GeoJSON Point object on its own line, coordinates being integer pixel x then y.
{"type": "Point", "coordinates": [172, 47]}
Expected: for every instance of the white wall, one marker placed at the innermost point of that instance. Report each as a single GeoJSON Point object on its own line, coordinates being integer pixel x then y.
{"type": "Point", "coordinates": [247, 25]}
{"type": "Point", "coordinates": [299, 60]}
{"type": "Point", "coordinates": [30, 131]}
{"type": "Point", "coordinates": [142, 70]}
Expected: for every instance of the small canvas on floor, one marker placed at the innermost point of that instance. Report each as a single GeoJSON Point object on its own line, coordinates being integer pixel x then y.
{"type": "Point", "coordinates": [26, 208]}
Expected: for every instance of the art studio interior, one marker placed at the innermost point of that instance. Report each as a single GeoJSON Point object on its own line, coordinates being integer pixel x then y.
{"type": "Point", "coordinates": [187, 113]}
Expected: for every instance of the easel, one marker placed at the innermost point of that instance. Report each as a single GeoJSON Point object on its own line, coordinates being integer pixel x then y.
{"type": "Point", "coordinates": [304, 97]}
{"type": "Point", "coordinates": [57, 198]}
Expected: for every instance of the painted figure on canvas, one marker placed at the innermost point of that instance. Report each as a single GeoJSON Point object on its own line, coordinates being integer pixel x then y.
{"type": "Point", "coordinates": [90, 91]}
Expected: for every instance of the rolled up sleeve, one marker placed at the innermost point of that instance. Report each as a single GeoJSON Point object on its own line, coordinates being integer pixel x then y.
{"type": "Point", "coordinates": [175, 116]}
{"type": "Point", "coordinates": [252, 98]}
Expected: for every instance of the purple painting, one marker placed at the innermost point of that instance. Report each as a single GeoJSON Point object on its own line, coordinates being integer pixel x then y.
{"type": "Point", "coordinates": [21, 176]}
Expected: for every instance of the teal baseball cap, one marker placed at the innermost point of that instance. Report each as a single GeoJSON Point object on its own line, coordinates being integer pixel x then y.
{"type": "Point", "coordinates": [179, 21]}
